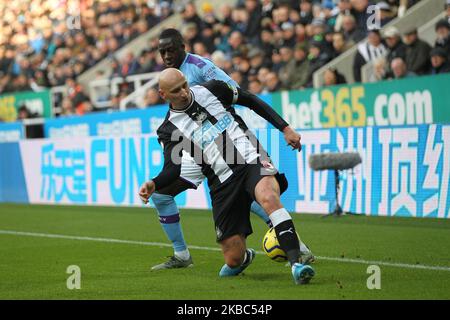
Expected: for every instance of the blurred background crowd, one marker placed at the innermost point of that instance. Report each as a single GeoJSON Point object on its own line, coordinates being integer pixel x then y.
{"type": "Point", "coordinates": [264, 45]}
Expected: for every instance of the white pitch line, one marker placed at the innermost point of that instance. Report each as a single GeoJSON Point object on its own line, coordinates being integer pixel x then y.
{"type": "Point", "coordinates": [160, 244]}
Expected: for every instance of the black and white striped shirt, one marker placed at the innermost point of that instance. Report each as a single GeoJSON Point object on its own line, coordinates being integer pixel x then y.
{"type": "Point", "coordinates": [212, 133]}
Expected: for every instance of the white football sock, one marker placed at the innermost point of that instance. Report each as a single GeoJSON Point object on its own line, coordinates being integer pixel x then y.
{"type": "Point", "coordinates": [303, 248]}
{"type": "Point", "coordinates": [183, 255]}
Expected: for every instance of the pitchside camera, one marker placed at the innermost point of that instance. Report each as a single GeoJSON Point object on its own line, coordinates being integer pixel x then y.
{"type": "Point", "coordinates": [336, 162]}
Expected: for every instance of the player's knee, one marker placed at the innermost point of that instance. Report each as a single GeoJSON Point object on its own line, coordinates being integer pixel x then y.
{"type": "Point", "coordinates": [270, 201]}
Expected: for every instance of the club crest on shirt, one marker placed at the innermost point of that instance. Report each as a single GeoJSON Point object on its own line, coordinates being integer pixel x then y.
{"type": "Point", "coordinates": [200, 117]}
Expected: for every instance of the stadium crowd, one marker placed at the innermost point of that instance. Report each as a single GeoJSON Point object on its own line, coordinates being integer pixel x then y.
{"type": "Point", "coordinates": [46, 43]}
{"type": "Point", "coordinates": [265, 45]}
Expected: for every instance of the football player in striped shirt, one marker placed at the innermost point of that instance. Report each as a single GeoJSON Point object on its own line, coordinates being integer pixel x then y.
{"type": "Point", "coordinates": [202, 122]}
{"type": "Point", "coordinates": [197, 70]}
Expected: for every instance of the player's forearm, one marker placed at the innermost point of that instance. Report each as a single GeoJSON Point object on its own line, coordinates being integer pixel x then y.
{"type": "Point", "coordinates": [261, 108]}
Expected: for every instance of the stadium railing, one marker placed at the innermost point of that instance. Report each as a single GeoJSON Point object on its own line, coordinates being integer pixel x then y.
{"type": "Point", "coordinates": [416, 16]}
{"type": "Point", "coordinates": [136, 96]}
{"type": "Point", "coordinates": [101, 91]}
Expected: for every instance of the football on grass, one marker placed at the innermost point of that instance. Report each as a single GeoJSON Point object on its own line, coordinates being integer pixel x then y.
{"type": "Point", "coordinates": [272, 248]}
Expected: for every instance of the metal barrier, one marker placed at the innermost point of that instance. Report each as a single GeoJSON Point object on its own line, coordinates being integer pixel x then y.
{"type": "Point", "coordinates": [101, 91]}
{"type": "Point", "coordinates": [136, 96]}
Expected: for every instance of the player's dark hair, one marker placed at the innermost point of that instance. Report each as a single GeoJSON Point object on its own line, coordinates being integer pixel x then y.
{"type": "Point", "coordinates": [172, 34]}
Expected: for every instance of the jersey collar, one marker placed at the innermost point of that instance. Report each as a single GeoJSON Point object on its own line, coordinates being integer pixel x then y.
{"type": "Point", "coordinates": [185, 58]}
{"type": "Point", "coordinates": [187, 107]}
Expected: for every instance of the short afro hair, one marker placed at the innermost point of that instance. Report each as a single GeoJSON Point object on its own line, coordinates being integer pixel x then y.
{"type": "Point", "coordinates": [172, 34]}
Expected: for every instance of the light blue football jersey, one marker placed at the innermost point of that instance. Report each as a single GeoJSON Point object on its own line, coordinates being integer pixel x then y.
{"type": "Point", "coordinates": [198, 70]}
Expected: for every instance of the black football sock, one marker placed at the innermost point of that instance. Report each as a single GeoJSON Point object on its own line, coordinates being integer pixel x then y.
{"type": "Point", "coordinates": [287, 237]}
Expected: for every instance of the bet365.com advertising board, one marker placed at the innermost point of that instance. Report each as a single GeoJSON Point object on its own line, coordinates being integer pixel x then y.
{"type": "Point", "coordinates": [418, 100]}
{"type": "Point", "coordinates": [404, 172]}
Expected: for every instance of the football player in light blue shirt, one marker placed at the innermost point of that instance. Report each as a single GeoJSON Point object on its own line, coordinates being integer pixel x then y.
{"type": "Point", "coordinates": [197, 70]}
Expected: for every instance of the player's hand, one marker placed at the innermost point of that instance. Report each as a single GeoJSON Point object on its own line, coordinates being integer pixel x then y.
{"type": "Point", "coordinates": [292, 138]}
{"type": "Point", "coordinates": [146, 191]}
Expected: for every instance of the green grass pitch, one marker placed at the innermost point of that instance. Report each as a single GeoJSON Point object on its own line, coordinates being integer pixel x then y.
{"type": "Point", "coordinates": [413, 256]}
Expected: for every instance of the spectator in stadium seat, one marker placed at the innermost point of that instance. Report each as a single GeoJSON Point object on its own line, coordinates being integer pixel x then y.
{"type": "Point", "coordinates": [257, 59]}
{"type": "Point", "coordinates": [306, 14]}
{"type": "Point", "coordinates": [339, 44]}
{"type": "Point", "coordinates": [209, 17]}
{"type": "Point", "coordinates": [76, 94]}
{"type": "Point", "coordinates": [208, 37]}
{"type": "Point", "coordinates": [226, 10]}
{"type": "Point", "coordinates": [24, 113]}
{"type": "Point", "coordinates": [236, 42]}
{"type": "Point", "coordinates": [267, 42]}
{"type": "Point", "coordinates": [300, 33]}
{"type": "Point", "coordinates": [152, 97]}
{"type": "Point", "coordinates": [396, 48]}
{"type": "Point", "coordinates": [166, 10]}
{"type": "Point", "coordinates": [368, 51]}
{"type": "Point", "coordinates": [316, 58]}
{"type": "Point", "coordinates": [191, 34]}
{"type": "Point", "coordinates": [252, 30]}
{"type": "Point", "coordinates": [332, 77]}
{"type": "Point", "coordinates": [272, 82]}
{"type": "Point", "coordinates": [190, 15]}
{"type": "Point", "coordinates": [277, 37]}
{"type": "Point", "coordinates": [115, 68]}
{"type": "Point", "coordinates": [239, 78]}
{"type": "Point", "coordinates": [255, 87]}
{"type": "Point", "coordinates": [148, 12]}
{"type": "Point", "coordinates": [276, 61]}
{"type": "Point", "coordinates": [447, 10]}
{"type": "Point", "coordinates": [20, 83]}
{"type": "Point", "coordinates": [399, 69]}
{"type": "Point", "coordinates": [146, 61]}
{"type": "Point", "coordinates": [40, 78]}
{"type": "Point", "coordinates": [67, 107]}
{"type": "Point", "coordinates": [443, 36]}
{"type": "Point", "coordinates": [288, 63]}
{"type": "Point", "coordinates": [318, 28]}
{"type": "Point", "coordinates": [344, 10]}
{"type": "Point", "coordinates": [350, 29]}
{"type": "Point", "coordinates": [129, 65]}
{"type": "Point", "coordinates": [289, 37]}
{"type": "Point", "coordinates": [384, 13]}
{"type": "Point", "coordinates": [200, 49]}
{"type": "Point", "coordinates": [300, 69]}
{"type": "Point", "coordinates": [439, 61]}
{"type": "Point", "coordinates": [359, 11]}
{"type": "Point", "coordinates": [417, 52]}
{"type": "Point", "coordinates": [262, 76]}
{"type": "Point", "coordinates": [281, 14]}
{"type": "Point", "coordinates": [220, 60]}
{"type": "Point", "coordinates": [380, 70]}
{"type": "Point", "coordinates": [267, 7]}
